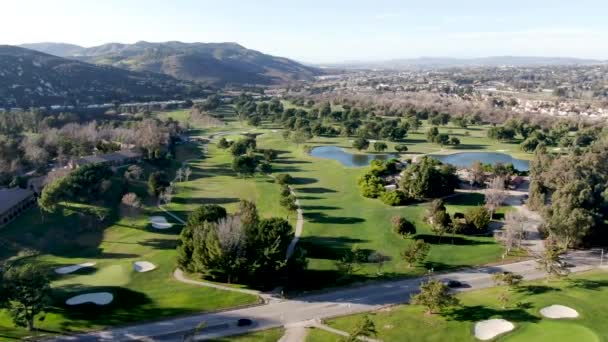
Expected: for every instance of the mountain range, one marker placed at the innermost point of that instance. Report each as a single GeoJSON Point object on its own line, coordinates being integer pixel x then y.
{"type": "Point", "coordinates": [447, 62]}
{"type": "Point", "coordinates": [32, 78]}
{"type": "Point", "coordinates": [210, 63]}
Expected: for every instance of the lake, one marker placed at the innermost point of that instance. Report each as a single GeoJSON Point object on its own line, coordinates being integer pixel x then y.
{"type": "Point", "coordinates": [346, 158]}
{"type": "Point", "coordinates": [466, 159]}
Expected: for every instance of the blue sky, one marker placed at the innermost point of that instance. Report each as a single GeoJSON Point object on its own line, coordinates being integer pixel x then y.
{"type": "Point", "coordinates": [324, 31]}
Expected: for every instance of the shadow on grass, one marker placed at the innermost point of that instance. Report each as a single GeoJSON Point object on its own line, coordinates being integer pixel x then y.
{"type": "Point", "coordinates": [309, 197]}
{"type": "Point", "coordinates": [449, 240]}
{"type": "Point", "coordinates": [470, 147]}
{"type": "Point", "coordinates": [466, 199]}
{"type": "Point", "coordinates": [331, 248]}
{"type": "Point", "coordinates": [319, 207]}
{"type": "Point", "coordinates": [318, 217]}
{"type": "Point", "coordinates": [206, 200]}
{"type": "Point", "coordinates": [530, 290]}
{"type": "Point", "coordinates": [303, 181]}
{"type": "Point", "coordinates": [587, 284]}
{"type": "Point", "coordinates": [159, 243]}
{"type": "Point", "coordinates": [480, 313]}
{"type": "Point", "coordinates": [316, 190]}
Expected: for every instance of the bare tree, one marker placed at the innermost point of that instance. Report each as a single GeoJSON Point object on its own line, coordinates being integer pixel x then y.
{"type": "Point", "coordinates": [131, 204]}
{"type": "Point", "coordinates": [179, 175]}
{"type": "Point", "coordinates": [550, 260]}
{"type": "Point", "coordinates": [513, 232]}
{"type": "Point", "coordinates": [187, 173]}
{"type": "Point", "coordinates": [379, 259]}
{"type": "Point", "coordinates": [495, 194]}
{"type": "Point", "coordinates": [231, 235]}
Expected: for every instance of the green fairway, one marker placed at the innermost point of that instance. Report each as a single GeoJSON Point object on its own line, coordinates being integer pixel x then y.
{"type": "Point", "coordinates": [271, 335]}
{"type": "Point", "coordinates": [587, 293]}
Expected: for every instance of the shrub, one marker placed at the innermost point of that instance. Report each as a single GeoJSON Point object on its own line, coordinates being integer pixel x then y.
{"type": "Point", "coordinates": [393, 198]}
{"type": "Point", "coordinates": [403, 227]}
{"type": "Point", "coordinates": [478, 218]}
{"type": "Point", "coordinates": [284, 178]}
{"type": "Point", "coordinates": [401, 148]}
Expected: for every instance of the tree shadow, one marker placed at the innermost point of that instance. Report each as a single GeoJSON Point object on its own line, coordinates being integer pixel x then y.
{"type": "Point", "coordinates": [205, 200]}
{"type": "Point", "coordinates": [319, 207]}
{"type": "Point", "coordinates": [449, 240]}
{"type": "Point", "coordinates": [160, 243]}
{"type": "Point", "coordinates": [330, 248]}
{"type": "Point", "coordinates": [316, 190]}
{"type": "Point", "coordinates": [303, 181]}
{"type": "Point", "coordinates": [587, 284]}
{"type": "Point", "coordinates": [318, 217]}
{"type": "Point", "coordinates": [470, 147]}
{"type": "Point", "coordinates": [309, 197]}
{"type": "Point", "coordinates": [480, 313]}
{"type": "Point", "coordinates": [530, 290]}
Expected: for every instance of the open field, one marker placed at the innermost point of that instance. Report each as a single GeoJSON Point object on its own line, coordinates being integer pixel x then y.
{"type": "Point", "coordinates": [586, 293]}
{"type": "Point", "coordinates": [272, 335]}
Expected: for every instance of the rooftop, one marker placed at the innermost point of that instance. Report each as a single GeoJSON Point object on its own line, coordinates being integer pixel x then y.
{"type": "Point", "coordinates": [10, 197]}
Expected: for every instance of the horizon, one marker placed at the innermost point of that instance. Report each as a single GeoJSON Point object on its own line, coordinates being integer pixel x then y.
{"type": "Point", "coordinates": [319, 32]}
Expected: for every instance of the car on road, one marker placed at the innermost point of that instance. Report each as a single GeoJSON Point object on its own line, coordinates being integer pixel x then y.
{"type": "Point", "coordinates": [451, 283]}
{"type": "Point", "coordinates": [243, 322]}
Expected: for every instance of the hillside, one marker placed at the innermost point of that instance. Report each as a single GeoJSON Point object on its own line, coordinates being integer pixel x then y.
{"type": "Point", "coordinates": [211, 63]}
{"type": "Point", "coordinates": [28, 77]}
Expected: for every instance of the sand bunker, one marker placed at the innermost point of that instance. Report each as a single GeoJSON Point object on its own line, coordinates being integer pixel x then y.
{"type": "Point", "coordinates": [160, 222]}
{"type": "Point", "coordinates": [558, 311]}
{"type": "Point", "coordinates": [99, 298]}
{"type": "Point", "coordinates": [143, 266]}
{"type": "Point", "coordinates": [487, 330]}
{"type": "Point", "coordinates": [73, 268]}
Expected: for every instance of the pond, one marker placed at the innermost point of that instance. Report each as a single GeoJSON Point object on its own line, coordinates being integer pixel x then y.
{"type": "Point", "coordinates": [466, 159]}
{"type": "Point", "coordinates": [346, 158]}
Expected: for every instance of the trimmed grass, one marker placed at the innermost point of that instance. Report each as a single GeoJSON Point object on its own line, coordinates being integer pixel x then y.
{"type": "Point", "coordinates": [338, 218]}
{"type": "Point", "coordinates": [271, 335]}
{"type": "Point", "coordinates": [587, 293]}
{"type": "Point", "coordinates": [319, 335]}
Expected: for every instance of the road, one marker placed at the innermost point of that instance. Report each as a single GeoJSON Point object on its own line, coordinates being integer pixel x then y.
{"type": "Point", "coordinates": [338, 302]}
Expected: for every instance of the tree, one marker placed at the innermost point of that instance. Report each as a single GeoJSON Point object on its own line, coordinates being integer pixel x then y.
{"type": "Point", "coordinates": [442, 139]}
{"type": "Point", "coordinates": [550, 260]}
{"type": "Point", "coordinates": [284, 179]}
{"type": "Point", "coordinates": [477, 172]}
{"type": "Point", "coordinates": [179, 174]}
{"type": "Point", "coordinates": [478, 218]}
{"type": "Point", "coordinates": [241, 146]}
{"type": "Point", "coordinates": [416, 251]}
{"type": "Point", "coordinates": [403, 227]}
{"type": "Point", "coordinates": [393, 198]}
{"type": "Point", "coordinates": [495, 195]}
{"type": "Point", "coordinates": [361, 143]}
{"type": "Point", "coordinates": [379, 259]}
{"type": "Point", "coordinates": [29, 292]}
{"type": "Point", "coordinates": [431, 134]}
{"type": "Point", "coordinates": [134, 172]}
{"type": "Point", "coordinates": [244, 165]}
{"type": "Point", "coordinates": [454, 141]}
{"type": "Point", "coordinates": [511, 280]}
{"type": "Point", "coordinates": [401, 148]}
{"type": "Point", "coordinates": [223, 143]}
{"type": "Point", "coordinates": [131, 204]}
{"type": "Point", "coordinates": [187, 173]}
{"type": "Point", "coordinates": [428, 179]}
{"type": "Point", "coordinates": [157, 182]}
{"type": "Point", "coordinates": [435, 296]}
{"type": "Point", "coordinates": [349, 263]}
{"type": "Point", "coordinates": [441, 223]}
{"type": "Point", "coordinates": [513, 232]}
{"type": "Point", "coordinates": [365, 327]}
{"type": "Point", "coordinates": [380, 146]}
{"type": "Point", "coordinates": [301, 136]}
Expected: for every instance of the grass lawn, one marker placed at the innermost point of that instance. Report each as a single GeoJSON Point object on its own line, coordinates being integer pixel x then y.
{"type": "Point", "coordinates": [587, 293]}
{"type": "Point", "coordinates": [60, 240]}
{"type": "Point", "coordinates": [271, 335]}
{"type": "Point", "coordinates": [337, 218]}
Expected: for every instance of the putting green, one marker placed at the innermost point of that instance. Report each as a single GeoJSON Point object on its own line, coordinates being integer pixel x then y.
{"type": "Point", "coordinates": [553, 331]}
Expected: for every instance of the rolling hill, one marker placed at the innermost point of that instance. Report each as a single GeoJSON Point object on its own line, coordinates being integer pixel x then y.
{"type": "Point", "coordinates": [31, 78]}
{"type": "Point", "coordinates": [210, 63]}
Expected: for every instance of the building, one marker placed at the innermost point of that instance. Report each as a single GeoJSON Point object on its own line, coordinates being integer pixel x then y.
{"type": "Point", "coordinates": [117, 158]}
{"type": "Point", "coordinates": [14, 202]}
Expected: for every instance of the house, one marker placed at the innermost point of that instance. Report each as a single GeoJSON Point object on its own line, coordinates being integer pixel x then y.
{"type": "Point", "coordinates": [117, 158]}
{"type": "Point", "coordinates": [13, 202]}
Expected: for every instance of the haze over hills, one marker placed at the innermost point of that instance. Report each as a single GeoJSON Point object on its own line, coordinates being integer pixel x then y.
{"type": "Point", "coordinates": [29, 77]}
{"type": "Point", "coordinates": [211, 63]}
{"type": "Point", "coordinates": [447, 62]}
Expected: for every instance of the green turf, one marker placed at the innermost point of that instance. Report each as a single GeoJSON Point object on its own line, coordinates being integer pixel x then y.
{"type": "Point", "coordinates": [319, 335]}
{"type": "Point", "coordinates": [587, 293]}
{"type": "Point", "coordinates": [271, 335]}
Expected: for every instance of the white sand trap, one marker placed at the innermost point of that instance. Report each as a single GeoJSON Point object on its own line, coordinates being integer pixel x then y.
{"type": "Point", "coordinates": [143, 266]}
{"type": "Point", "coordinates": [99, 298]}
{"type": "Point", "coordinates": [274, 131]}
{"type": "Point", "coordinates": [558, 311]}
{"type": "Point", "coordinates": [73, 268]}
{"type": "Point", "coordinates": [160, 222]}
{"type": "Point", "coordinates": [487, 330]}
